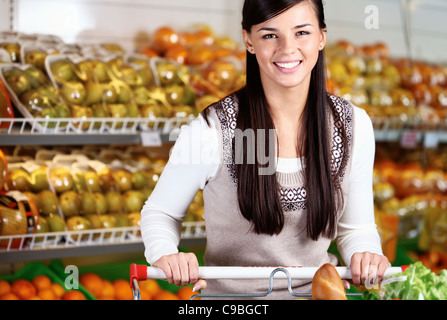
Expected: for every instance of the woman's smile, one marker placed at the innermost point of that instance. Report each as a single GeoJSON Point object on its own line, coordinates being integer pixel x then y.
{"type": "Point", "coordinates": [288, 66]}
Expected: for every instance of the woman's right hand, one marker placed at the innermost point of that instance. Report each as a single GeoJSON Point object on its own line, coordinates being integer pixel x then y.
{"type": "Point", "coordinates": [181, 269]}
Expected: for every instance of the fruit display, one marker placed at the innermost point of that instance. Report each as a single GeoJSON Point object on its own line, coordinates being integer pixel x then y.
{"type": "Point", "coordinates": [53, 80]}
{"type": "Point", "coordinates": [397, 93]}
{"type": "Point", "coordinates": [410, 198]}
{"type": "Point", "coordinates": [33, 95]}
{"type": "Point", "coordinates": [85, 199]}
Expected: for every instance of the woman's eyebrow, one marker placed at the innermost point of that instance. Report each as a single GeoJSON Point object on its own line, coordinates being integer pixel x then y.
{"type": "Point", "coordinates": [274, 29]}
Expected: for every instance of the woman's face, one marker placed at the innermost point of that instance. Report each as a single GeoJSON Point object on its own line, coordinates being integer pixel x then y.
{"type": "Point", "coordinates": [287, 46]}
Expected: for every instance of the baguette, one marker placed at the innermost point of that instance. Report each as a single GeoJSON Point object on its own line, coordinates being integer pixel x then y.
{"type": "Point", "coordinates": [327, 284]}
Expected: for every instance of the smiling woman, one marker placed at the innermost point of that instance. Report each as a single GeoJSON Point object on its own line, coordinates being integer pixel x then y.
{"type": "Point", "coordinates": [320, 190]}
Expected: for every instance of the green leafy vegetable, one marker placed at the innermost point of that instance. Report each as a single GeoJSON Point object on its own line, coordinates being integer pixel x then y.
{"type": "Point", "coordinates": [417, 282]}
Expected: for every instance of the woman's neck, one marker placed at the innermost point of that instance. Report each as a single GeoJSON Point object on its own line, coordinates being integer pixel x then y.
{"type": "Point", "coordinates": [286, 107]}
{"type": "Point", "coordinates": [286, 104]}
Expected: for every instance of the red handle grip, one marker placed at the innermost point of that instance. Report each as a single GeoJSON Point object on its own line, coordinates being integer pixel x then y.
{"type": "Point", "coordinates": [138, 272]}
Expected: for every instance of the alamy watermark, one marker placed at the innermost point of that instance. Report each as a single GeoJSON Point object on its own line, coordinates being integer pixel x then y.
{"type": "Point", "coordinates": [200, 146]}
{"type": "Point", "coordinates": [372, 17]}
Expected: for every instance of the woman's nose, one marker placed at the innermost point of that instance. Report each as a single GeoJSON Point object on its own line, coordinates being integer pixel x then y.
{"type": "Point", "coordinates": [288, 45]}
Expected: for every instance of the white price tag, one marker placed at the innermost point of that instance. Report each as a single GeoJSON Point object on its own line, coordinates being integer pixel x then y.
{"type": "Point", "coordinates": [431, 139]}
{"type": "Point", "coordinates": [150, 139]}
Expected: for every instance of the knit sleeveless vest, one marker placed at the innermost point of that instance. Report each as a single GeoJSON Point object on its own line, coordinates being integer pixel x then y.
{"type": "Point", "coordinates": [230, 238]}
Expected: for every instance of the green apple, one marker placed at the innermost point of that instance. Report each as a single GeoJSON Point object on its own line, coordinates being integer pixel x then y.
{"type": "Point", "coordinates": [95, 221]}
{"type": "Point", "coordinates": [39, 179]}
{"type": "Point", "coordinates": [92, 181]}
{"type": "Point", "coordinates": [42, 227]}
{"type": "Point", "coordinates": [151, 111]}
{"type": "Point", "coordinates": [94, 92]}
{"type": "Point", "coordinates": [133, 201]}
{"type": "Point", "coordinates": [56, 223]}
{"type": "Point", "coordinates": [73, 92]}
{"type": "Point", "coordinates": [13, 49]}
{"type": "Point", "coordinates": [139, 180]}
{"type": "Point", "coordinates": [18, 179]}
{"type": "Point", "coordinates": [108, 222]}
{"type": "Point", "coordinates": [124, 93]}
{"type": "Point", "coordinates": [123, 180]}
{"type": "Point", "coordinates": [109, 93]}
{"type": "Point", "coordinates": [147, 78]}
{"type": "Point", "coordinates": [84, 113]}
{"type": "Point", "coordinates": [175, 94]}
{"type": "Point", "coordinates": [101, 203]}
{"type": "Point", "coordinates": [19, 83]}
{"type": "Point", "coordinates": [100, 71]}
{"type": "Point", "coordinates": [121, 219]}
{"type": "Point", "coordinates": [62, 71]}
{"type": "Point", "coordinates": [70, 203]}
{"type": "Point", "coordinates": [78, 223]}
{"type": "Point", "coordinates": [167, 73]}
{"type": "Point", "coordinates": [106, 179]}
{"type": "Point", "coordinates": [61, 179]}
{"type": "Point", "coordinates": [114, 201]}
{"type": "Point", "coordinates": [47, 202]}
{"type": "Point", "coordinates": [88, 203]}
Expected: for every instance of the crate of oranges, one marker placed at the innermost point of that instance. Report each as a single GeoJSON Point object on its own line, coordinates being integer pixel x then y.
{"type": "Point", "coordinates": [35, 281]}
{"type": "Point", "coordinates": [111, 282]}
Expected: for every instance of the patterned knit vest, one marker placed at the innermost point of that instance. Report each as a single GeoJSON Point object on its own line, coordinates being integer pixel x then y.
{"type": "Point", "coordinates": [230, 238]}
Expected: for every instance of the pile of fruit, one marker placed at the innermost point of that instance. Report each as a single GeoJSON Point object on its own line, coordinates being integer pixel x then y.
{"type": "Point", "coordinates": [119, 289]}
{"type": "Point", "coordinates": [414, 194]}
{"type": "Point", "coordinates": [57, 80]}
{"type": "Point", "coordinates": [41, 287]}
{"type": "Point", "coordinates": [395, 92]}
{"type": "Point", "coordinates": [77, 193]}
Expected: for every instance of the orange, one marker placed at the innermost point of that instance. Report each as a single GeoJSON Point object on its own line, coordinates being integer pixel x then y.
{"type": "Point", "coordinates": [73, 295]}
{"type": "Point", "coordinates": [123, 290]}
{"type": "Point", "coordinates": [166, 295]}
{"type": "Point", "coordinates": [199, 55]}
{"type": "Point", "coordinates": [46, 294]}
{"type": "Point", "coordinates": [92, 283]}
{"type": "Point", "coordinates": [23, 289]}
{"type": "Point", "coordinates": [145, 295]}
{"type": "Point", "coordinates": [204, 37]}
{"type": "Point", "coordinates": [9, 296]}
{"type": "Point", "coordinates": [178, 53]}
{"type": "Point", "coordinates": [42, 282]}
{"type": "Point", "coordinates": [165, 38]}
{"type": "Point", "coordinates": [151, 286]}
{"type": "Point", "coordinates": [108, 291]}
{"type": "Point", "coordinates": [5, 287]}
{"type": "Point", "coordinates": [184, 293]}
{"type": "Point", "coordinates": [149, 52]}
{"type": "Point", "coordinates": [58, 290]}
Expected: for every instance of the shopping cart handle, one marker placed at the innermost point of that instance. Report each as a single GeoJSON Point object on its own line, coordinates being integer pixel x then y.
{"type": "Point", "coordinates": [140, 272]}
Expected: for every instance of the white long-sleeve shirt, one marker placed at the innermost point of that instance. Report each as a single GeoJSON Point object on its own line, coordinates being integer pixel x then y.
{"type": "Point", "coordinates": [195, 158]}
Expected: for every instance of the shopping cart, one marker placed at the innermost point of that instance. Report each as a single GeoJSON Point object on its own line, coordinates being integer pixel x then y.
{"type": "Point", "coordinates": [142, 272]}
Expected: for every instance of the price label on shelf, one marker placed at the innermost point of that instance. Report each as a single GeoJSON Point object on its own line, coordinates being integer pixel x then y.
{"type": "Point", "coordinates": [410, 139]}
{"type": "Point", "coordinates": [431, 139]}
{"type": "Point", "coordinates": [150, 139]}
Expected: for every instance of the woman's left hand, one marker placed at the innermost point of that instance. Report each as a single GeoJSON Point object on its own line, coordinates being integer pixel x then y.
{"type": "Point", "coordinates": [368, 269]}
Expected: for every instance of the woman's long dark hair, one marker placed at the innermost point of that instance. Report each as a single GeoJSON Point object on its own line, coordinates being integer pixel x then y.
{"type": "Point", "coordinates": [258, 195]}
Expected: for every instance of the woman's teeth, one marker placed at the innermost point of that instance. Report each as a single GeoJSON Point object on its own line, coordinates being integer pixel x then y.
{"type": "Point", "coordinates": [289, 65]}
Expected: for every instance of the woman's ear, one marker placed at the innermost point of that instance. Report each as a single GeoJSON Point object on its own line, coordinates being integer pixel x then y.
{"type": "Point", "coordinates": [323, 39]}
{"type": "Point", "coordinates": [247, 41]}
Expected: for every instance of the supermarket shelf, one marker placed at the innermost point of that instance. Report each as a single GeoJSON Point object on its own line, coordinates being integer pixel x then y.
{"type": "Point", "coordinates": [45, 131]}
{"type": "Point", "coordinates": [84, 243]}
{"type": "Point", "coordinates": [428, 137]}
